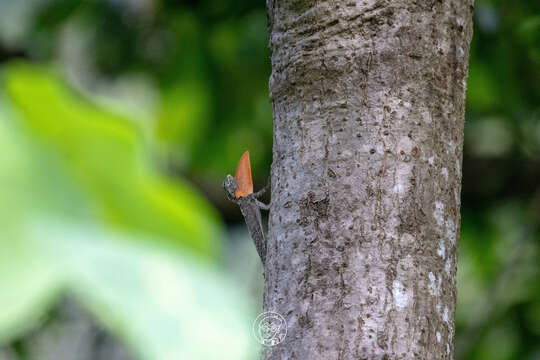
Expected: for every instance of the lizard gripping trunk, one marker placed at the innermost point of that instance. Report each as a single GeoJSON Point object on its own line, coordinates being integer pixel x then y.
{"type": "Point", "coordinates": [252, 215]}
{"type": "Point", "coordinates": [368, 100]}
{"type": "Point", "coordinates": [249, 206]}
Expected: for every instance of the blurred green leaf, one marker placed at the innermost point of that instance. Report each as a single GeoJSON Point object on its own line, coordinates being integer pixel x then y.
{"type": "Point", "coordinates": [489, 137]}
{"type": "Point", "coordinates": [529, 29]}
{"type": "Point", "coordinates": [184, 114]}
{"type": "Point", "coordinates": [481, 87]}
{"type": "Point", "coordinates": [164, 304]}
{"type": "Point", "coordinates": [28, 286]}
{"type": "Point", "coordinates": [144, 260]}
{"type": "Point", "coordinates": [103, 152]}
{"type": "Point", "coordinates": [529, 32]}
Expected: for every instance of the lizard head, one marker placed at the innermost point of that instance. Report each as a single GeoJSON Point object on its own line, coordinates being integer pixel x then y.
{"type": "Point", "coordinates": [230, 187]}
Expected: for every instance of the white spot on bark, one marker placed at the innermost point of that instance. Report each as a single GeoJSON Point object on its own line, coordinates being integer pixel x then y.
{"type": "Point", "coordinates": [444, 172]}
{"type": "Point", "coordinates": [406, 240]}
{"type": "Point", "coordinates": [438, 214]}
{"type": "Point", "coordinates": [447, 348]}
{"type": "Point", "coordinates": [427, 116]}
{"type": "Point", "coordinates": [460, 52]}
{"type": "Point", "coordinates": [405, 144]}
{"type": "Point", "coordinates": [438, 334]}
{"type": "Point", "coordinates": [451, 228]}
{"type": "Point", "coordinates": [296, 260]}
{"type": "Point", "coordinates": [442, 249]}
{"type": "Point", "coordinates": [434, 285]}
{"type": "Point", "coordinates": [346, 154]}
{"type": "Point", "coordinates": [403, 174]}
{"type": "Point", "coordinates": [400, 188]}
{"type": "Point", "coordinates": [447, 266]}
{"type": "Point", "coordinates": [431, 160]}
{"type": "Point", "coordinates": [445, 314]}
{"type": "Point", "coordinates": [451, 231]}
{"type": "Point", "coordinates": [400, 295]}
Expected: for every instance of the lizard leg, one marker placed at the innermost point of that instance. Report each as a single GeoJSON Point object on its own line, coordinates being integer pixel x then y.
{"type": "Point", "coordinates": [261, 192]}
{"type": "Point", "coordinates": [262, 205]}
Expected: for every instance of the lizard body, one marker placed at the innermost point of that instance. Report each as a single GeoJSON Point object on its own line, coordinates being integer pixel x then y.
{"type": "Point", "coordinates": [250, 207]}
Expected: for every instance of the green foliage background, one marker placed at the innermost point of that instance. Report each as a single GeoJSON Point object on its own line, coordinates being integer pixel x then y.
{"type": "Point", "coordinates": [118, 121]}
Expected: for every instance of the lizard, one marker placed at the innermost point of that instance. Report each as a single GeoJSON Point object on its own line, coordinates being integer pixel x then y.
{"type": "Point", "coordinates": [239, 189]}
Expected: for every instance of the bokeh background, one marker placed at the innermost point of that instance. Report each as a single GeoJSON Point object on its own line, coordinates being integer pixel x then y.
{"type": "Point", "coordinates": [120, 118]}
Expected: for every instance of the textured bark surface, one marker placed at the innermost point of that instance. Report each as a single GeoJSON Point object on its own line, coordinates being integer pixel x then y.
{"type": "Point", "coordinates": [368, 100]}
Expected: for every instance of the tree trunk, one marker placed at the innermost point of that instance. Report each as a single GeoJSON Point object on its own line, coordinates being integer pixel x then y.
{"type": "Point", "coordinates": [368, 100]}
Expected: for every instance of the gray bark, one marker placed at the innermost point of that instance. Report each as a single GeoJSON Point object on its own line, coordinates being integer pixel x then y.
{"type": "Point", "coordinates": [368, 100]}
